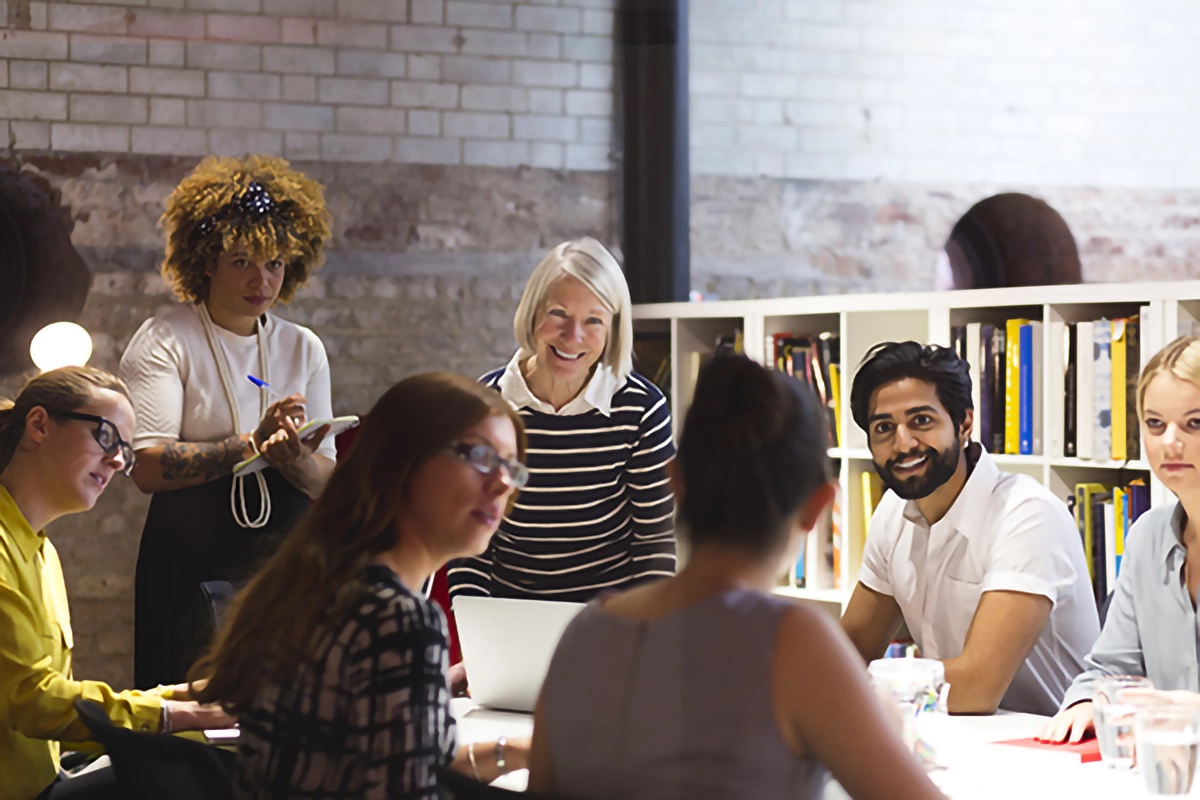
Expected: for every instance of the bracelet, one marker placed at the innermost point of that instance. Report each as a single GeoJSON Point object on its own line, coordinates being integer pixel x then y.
{"type": "Point", "coordinates": [500, 762]}
{"type": "Point", "coordinates": [164, 720]}
{"type": "Point", "coordinates": [471, 755]}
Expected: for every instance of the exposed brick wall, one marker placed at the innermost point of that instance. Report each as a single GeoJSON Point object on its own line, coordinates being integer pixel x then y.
{"type": "Point", "coordinates": [424, 272]}
{"type": "Point", "coordinates": [1033, 92]}
{"type": "Point", "coordinates": [414, 81]}
{"type": "Point", "coordinates": [834, 144]}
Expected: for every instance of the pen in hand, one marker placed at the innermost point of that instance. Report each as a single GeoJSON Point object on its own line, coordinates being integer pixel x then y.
{"type": "Point", "coordinates": [260, 383]}
{"type": "Point", "coordinates": [272, 397]}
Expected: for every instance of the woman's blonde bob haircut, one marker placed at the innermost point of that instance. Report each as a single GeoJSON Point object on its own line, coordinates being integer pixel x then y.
{"type": "Point", "coordinates": [1181, 358]}
{"type": "Point", "coordinates": [592, 265]}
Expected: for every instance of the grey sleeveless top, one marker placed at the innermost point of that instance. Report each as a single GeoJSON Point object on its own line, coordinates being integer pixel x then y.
{"type": "Point", "coordinates": [679, 707]}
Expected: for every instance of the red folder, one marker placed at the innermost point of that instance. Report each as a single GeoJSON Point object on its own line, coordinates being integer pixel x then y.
{"type": "Point", "coordinates": [1088, 750]}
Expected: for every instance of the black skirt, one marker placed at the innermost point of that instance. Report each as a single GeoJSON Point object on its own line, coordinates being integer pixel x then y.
{"type": "Point", "coordinates": [191, 537]}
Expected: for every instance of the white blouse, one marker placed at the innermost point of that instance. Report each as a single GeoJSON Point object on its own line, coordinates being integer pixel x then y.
{"type": "Point", "coordinates": [176, 384]}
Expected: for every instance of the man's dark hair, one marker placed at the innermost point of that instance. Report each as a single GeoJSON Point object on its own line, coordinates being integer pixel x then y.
{"type": "Point", "coordinates": [751, 454]}
{"type": "Point", "coordinates": [893, 361]}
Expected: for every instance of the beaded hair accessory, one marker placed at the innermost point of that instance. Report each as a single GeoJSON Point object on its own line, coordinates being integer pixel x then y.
{"type": "Point", "coordinates": [259, 202]}
{"type": "Point", "coordinates": [256, 202]}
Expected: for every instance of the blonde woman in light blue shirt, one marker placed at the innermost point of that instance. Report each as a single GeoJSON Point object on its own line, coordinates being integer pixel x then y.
{"type": "Point", "coordinates": [1151, 627]}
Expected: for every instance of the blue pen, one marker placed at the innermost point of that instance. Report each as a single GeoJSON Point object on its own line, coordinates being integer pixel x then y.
{"type": "Point", "coordinates": [260, 383]}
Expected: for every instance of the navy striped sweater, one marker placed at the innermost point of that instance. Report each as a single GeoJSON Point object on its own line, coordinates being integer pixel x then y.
{"type": "Point", "coordinates": [597, 513]}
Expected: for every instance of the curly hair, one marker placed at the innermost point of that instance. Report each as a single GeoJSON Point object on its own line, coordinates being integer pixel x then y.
{"type": "Point", "coordinates": [257, 201]}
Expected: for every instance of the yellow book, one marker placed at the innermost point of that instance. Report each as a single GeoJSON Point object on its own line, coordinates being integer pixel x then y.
{"type": "Point", "coordinates": [1083, 520]}
{"type": "Point", "coordinates": [1012, 385]}
{"type": "Point", "coordinates": [838, 544]}
{"type": "Point", "coordinates": [1119, 379]}
{"type": "Point", "coordinates": [1119, 500]}
{"type": "Point", "coordinates": [872, 492]}
{"type": "Point", "coordinates": [835, 397]}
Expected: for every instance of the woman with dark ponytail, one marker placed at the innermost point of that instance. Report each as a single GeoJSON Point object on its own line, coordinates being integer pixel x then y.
{"type": "Point", "coordinates": [704, 685]}
{"type": "Point", "coordinates": [61, 442]}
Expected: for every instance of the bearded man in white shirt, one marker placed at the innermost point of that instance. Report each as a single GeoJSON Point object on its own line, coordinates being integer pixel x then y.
{"type": "Point", "coordinates": [986, 568]}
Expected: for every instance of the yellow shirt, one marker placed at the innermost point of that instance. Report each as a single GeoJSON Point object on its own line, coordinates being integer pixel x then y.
{"type": "Point", "coordinates": [37, 693]}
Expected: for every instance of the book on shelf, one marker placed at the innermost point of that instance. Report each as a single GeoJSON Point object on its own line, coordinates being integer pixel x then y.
{"type": "Point", "coordinates": [838, 539]}
{"type": "Point", "coordinates": [1134, 358]}
{"type": "Point", "coordinates": [1102, 388]}
{"type": "Point", "coordinates": [814, 359]}
{"type": "Point", "coordinates": [1085, 394]}
{"type": "Point", "coordinates": [652, 358]}
{"type": "Point", "coordinates": [1104, 515]}
{"type": "Point", "coordinates": [966, 342]}
{"type": "Point", "coordinates": [835, 400]}
{"type": "Point", "coordinates": [1012, 386]}
{"type": "Point", "coordinates": [1029, 411]}
{"type": "Point", "coordinates": [1057, 357]}
{"type": "Point", "coordinates": [1098, 363]}
{"type": "Point", "coordinates": [999, 390]}
{"type": "Point", "coordinates": [819, 559]}
{"type": "Point", "coordinates": [872, 493]}
{"type": "Point", "coordinates": [1006, 380]}
{"type": "Point", "coordinates": [1117, 345]}
{"type": "Point", "coordinates": [987, 388]}
{"type": "Point", "coordinates": [974, 335]}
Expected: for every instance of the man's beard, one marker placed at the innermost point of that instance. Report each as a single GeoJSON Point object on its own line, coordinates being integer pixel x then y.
{"type": "Point", "coordinates": [939, 469]}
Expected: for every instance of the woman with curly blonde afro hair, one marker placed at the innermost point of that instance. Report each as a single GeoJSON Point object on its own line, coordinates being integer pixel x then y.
{"type": "Point", "coordinates": [215, 381]}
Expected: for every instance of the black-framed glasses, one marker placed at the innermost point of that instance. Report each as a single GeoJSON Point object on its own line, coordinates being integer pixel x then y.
{"type": "Point", "coordinates": [106, 435]}
{"type": "Point", "coordinates": [484, 458]}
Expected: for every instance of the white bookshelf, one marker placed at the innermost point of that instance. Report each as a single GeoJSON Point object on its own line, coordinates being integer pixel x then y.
{"type": "Point", "coordinates": [1167, 310]}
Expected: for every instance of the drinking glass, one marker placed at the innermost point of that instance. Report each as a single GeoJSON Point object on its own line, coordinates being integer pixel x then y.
{"type": "Point", "coordinates": [1114, 720]}
{"type": "Point", "coordinates": [1168, 738]}
{"type": "Point", "coordinates": [912, 685]}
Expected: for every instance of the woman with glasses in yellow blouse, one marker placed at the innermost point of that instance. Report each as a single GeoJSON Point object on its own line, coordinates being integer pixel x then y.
{"type": "Point", "coordinates": [61, 442]}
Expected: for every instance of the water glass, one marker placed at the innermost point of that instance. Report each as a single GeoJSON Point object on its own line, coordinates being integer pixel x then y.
{"type": "Point", "coordinates": [1114, 720]}
{"type": "Point", "coordinates": [1168, 738]}
{"type": "Point", "coordinates": [912, 685]}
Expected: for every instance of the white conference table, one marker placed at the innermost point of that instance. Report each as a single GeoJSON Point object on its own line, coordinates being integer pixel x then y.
{"type": "Point", "coordinates": [972, 767]}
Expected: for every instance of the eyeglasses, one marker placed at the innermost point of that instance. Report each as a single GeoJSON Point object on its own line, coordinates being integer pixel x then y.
{"type": "Point", "coordinates": [106, 435]}
{"type": "Point", "coordinates": [484, 458]}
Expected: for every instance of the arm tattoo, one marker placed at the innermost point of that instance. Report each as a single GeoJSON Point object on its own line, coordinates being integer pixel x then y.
{"type": "Point", "coordinates": [208, 460]}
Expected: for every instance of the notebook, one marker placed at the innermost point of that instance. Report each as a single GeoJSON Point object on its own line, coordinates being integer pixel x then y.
{"type": "Point", "coordinates": [1086, 751]}
{"type": "Point", "coordinates": [336, 425]}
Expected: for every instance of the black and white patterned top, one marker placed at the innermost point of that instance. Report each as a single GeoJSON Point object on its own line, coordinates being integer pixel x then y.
{"type": "Point", "coordinates": [598, 512]}
{"type": "Point", "coordinates": [367, 717]}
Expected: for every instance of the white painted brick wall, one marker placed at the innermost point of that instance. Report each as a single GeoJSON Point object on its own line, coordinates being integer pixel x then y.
{"type": "Point", "coordinates": [429, 81]}
{"type": "Point", "coordinates": [1054, 92]}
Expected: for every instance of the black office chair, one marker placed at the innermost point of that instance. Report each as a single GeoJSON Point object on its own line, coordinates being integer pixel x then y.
{"type": "Point", "coordinates": [218, 595]}
{"type": "Point", "coordinates": [462, 787]}
{"type": "Point", "coordinates": [150, 766]}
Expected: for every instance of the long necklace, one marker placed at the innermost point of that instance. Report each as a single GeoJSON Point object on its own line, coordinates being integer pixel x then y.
{"type": "Point", "coordinates": [237, 491]}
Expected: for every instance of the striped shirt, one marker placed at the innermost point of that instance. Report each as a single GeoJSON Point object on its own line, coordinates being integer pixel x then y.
{"type": "Point", "coordinates": [367, 717]}
{"type": "Point", "coordinates": [598, 512]}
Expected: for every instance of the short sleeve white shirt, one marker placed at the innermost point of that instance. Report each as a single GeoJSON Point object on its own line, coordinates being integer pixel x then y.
{"type": "Point", "coordinates": [176, 385]}
{"type": "Point", "coordinates": [1005, 532]}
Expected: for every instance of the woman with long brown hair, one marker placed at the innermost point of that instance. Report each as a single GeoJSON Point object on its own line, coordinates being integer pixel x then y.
{"type": "Point", "coordinates": [332, 659]}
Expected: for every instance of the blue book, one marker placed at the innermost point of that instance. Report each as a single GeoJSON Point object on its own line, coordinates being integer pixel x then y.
{"type": "Point", "coordinates": [1025, 407]}
{"type": "Point", "coordinates": [1123, 512]}
{"type": "Point", "coordinates": [800, 568]}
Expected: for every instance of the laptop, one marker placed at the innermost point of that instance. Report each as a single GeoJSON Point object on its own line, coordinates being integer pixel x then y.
{"type": "Point", "coordinates": [507, 646]}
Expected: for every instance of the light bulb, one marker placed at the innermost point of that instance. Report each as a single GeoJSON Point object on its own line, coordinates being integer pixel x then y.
{"type": "Point", "coordinates": [60, 344]}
